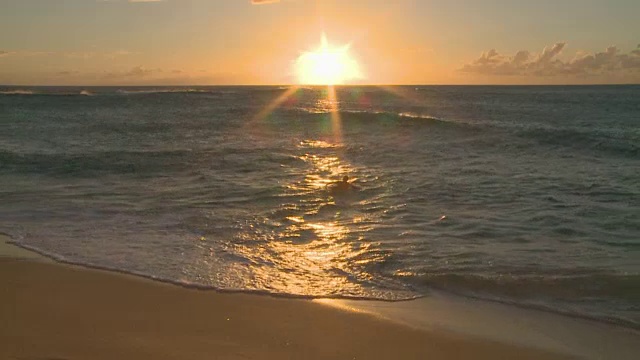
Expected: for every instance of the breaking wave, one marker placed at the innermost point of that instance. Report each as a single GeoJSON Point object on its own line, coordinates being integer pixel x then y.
{"type": "Point", "coordinates": [19, 92]}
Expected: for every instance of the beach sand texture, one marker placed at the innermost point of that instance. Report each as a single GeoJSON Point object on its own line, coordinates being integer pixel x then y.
{"type": "Point", "coordinates": [56, 311]}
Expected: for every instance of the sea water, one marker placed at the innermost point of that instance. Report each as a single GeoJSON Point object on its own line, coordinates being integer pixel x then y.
{"type": "Point", "coordinates": [525, 195]}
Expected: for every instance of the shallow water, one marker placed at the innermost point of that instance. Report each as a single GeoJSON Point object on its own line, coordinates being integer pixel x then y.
{"type": "Point", "coordinates": [528, 195]}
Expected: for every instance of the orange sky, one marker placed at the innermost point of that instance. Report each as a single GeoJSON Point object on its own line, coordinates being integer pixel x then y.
{"type": "Point", "coordinates": [129, 42]}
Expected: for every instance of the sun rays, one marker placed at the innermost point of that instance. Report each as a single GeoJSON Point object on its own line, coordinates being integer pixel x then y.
{"type": "Point", "coordinates": [331, 66]}
{"type": "Point", "coordinates": [336, 122]}
{"type": "Point", "coordinates": [328, 65]}
{"type": "Point", "coordinates": [275, 103]}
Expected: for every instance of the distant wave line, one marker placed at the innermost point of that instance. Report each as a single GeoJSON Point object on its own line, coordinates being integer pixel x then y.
{"type": "Point", "coordinates": [38, 93]}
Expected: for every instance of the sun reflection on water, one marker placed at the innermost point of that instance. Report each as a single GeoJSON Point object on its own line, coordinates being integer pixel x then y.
{"type": "Point", "coordinates": [318, 246]}
{"type": "Point", "coordinates": [299, 238]}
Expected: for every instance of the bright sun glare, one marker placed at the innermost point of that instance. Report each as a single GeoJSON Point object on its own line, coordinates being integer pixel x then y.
{"type": "Point", "coordinates": [327, 66]}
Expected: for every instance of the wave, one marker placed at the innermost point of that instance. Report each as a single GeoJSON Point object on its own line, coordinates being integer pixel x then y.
{"type": "Point", "coordinates": [598, 140]}
{"type": "Point", "coordinates": [196, 91]}
{"type": "Point", "coordinates": [135, 162]}
{"type": "Point", "coordinates": [121, 162]}
{"type": "Point", "coordinates": [566, 287]}
{"type": "Point", "coordinates": [45, 93]}
{"type": "Point", "coordinates": [545, 292]}
{"type": "Point", "coordinates": [133, 91]}
{"type": "Point", "coordinates": [188, 284]}
{"type": "Point", "coordinates": [168, 91]}
{"type": "Point", "coordinates": [584, 140]}
{"type": "Point", "coordinates": [403, 114]}
{"type": "Point", "coordinates": [412, 115]}
{"type": "Point", "coordinates": [17, 92]}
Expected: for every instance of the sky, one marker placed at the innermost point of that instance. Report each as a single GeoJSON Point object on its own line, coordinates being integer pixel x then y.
{"type": "Point", "coordinates": [211, 42]}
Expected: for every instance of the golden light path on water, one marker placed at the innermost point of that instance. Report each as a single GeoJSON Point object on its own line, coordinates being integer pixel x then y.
{"type": "Point", "coordinates": [317, 241]}
{"type": "Point", "coordinates": [296, 237]}
{"type": "Point", "coordinates": [317, 244]}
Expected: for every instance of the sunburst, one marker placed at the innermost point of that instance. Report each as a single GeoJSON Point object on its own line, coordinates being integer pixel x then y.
{"type": "Point", "coordinates": [327, 65]}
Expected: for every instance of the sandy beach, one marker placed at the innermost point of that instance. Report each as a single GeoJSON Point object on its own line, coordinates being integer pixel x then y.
{"type": "Point", "coordinates": [57, 311]}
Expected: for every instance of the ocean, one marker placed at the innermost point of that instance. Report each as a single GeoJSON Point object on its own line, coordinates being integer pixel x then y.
{"type": "Point", "coordinates": [527, 195]}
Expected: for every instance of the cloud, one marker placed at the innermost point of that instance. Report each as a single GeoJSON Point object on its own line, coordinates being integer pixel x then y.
{"type": "Point", "coordinates": [141, 71]}
{"type": "Point", "coordinates": [29, 53]}
{"type": "Point", "coordinates": [137, 76]}
{"type": "Point", "coordinates": [136, 72]}
{"type": "Point", "coordinates": [92, 54]}
{"type": "Point", "coordinates": [67, 73]}
{"type": "Point", "coordinates": [264, 2]}
{"type": "Point", "coordinates": [80, 55]}
{"type": "Point", "coordinates": [546, 63]}
{"type": "Point", "coordinates": [70, 54]}
{"type": "Point", "coordinates": [25, 53]}
{"type": "Point", "coordinates": [548, 53]}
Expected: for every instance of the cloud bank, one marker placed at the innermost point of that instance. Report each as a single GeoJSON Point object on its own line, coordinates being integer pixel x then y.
{"type": "Point", "coordinates": [546, 63]}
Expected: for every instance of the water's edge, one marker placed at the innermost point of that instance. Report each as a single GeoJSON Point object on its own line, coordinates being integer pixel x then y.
{"type": "Point", "coordinates": [571, 315]}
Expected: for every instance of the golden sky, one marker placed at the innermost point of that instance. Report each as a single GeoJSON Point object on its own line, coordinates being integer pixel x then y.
{"type": "Point", "coordinates": [202, 42]}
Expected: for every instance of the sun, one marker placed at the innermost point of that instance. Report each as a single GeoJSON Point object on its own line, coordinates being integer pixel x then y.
{"type": "Point", "coordinates": [327, 65]}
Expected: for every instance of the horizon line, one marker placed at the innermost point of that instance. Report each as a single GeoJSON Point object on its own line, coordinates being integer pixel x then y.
{"type": "Point", "coordinates": [309, 85]}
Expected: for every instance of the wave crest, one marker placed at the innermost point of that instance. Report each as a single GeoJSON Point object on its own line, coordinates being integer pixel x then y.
{"type": "Point", "coordinates": [591, 140]}
{"type": "Point", "coordinates": [21, 92]}
{"type": "Point", "coordinates": [557, 289]}
{"type": "Point", "coordinates": [403, 114]}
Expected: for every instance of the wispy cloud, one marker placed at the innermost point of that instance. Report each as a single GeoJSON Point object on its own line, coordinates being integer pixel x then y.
{"type": "Point", "coordinates": [25, 53]}
{"type": "Point", "coordinates": [136, 72]}
{"type": "Point", "coordinates": [69, 54]}
{"type": "Point", "coordinates": [67, 73]}
{"type": "Point", "coordinates": [264, 2]}
{"type": "Point", "coordinates": [95, 54]}
{"type": "Point", "coordinates": [546, 63]}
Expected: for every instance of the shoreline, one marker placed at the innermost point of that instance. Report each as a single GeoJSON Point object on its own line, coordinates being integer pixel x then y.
{"type": "Point", "coordinates": [8, 245]}
{"type": "Point", "coordinates": [475, 325]}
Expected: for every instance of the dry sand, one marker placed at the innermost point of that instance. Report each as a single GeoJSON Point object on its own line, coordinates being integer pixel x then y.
{"type": "Point", "coordinates": [55, 311]}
